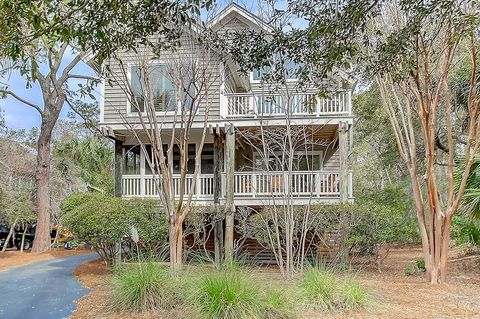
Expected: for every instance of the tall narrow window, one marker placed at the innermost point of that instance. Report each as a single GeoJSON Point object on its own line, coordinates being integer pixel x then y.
{"type": "Point", "coordinates": [162, 89]}
{"type": "Point", "coordinates": [207, 159]}
{"type": "Point", "coordinates": [191, 159]}
{"type": "Point", "coordinates": [131, 160]}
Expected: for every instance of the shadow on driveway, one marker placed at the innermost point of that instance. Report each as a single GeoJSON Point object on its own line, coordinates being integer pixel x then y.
{"type": "Point", "coordinates": [44, 289]}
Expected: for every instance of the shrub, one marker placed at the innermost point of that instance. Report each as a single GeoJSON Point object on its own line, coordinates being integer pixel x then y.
{"type": "Point", "coordinates": [144, 287]}
{"type": "Point", "coordinates": [420, 264]}
{"type": "Point", "coordinates": [365, 229]}
{"type": "Point", "coordinates": [465, 231]}
{"type": "Point", "coordinates": [320, 288]}
{"type": "Point", "coordinates": [409, 269]}
{"type": "Point", "coordinates": [103, 221]}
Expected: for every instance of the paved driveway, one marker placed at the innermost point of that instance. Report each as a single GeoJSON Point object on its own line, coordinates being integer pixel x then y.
{"type": "Point", "coordinates": [44, 289]}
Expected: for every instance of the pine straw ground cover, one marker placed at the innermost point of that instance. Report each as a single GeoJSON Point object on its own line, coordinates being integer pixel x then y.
{"type": "Point", "coordinates": [391, 293]}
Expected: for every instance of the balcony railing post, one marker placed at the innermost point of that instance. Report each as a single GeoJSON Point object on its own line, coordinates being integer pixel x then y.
{"type": "Point", "coordinates": [317, 184]}
{"type": "Point", "coordinates": [251, 104]}
{"type": "Point", "coordinates": [198, 186]}
{"type": "Point", "coordinates": [254, 185]}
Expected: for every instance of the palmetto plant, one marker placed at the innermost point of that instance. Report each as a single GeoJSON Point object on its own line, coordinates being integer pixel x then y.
{"type": "Point", "coordinates": [470, 205]}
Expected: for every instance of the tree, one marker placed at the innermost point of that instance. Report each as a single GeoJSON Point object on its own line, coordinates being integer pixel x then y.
{"type": "Point", "coordinates": [89, 157]}
{"type": "Point", "coordinates": [40, 34]}
{"type": "Point", "coordinates": [409, 49]}
{"type": "Point", "coordinates": [163, 124]}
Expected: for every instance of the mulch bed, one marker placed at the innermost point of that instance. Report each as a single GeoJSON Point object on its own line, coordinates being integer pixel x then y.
{"type": "Point", "coordinates": [392, 293]}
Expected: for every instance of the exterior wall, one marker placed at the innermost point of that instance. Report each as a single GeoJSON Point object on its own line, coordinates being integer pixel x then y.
{"type": "Point", "coordinates": [115, 99]}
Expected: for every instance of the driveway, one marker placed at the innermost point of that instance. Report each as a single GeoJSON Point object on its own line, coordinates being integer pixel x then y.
{"type": "Point", "coordinates": [42, 290]}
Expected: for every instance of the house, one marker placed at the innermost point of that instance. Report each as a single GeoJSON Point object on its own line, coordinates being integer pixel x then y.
{"type": "Point", "coordinates": [241, 107]}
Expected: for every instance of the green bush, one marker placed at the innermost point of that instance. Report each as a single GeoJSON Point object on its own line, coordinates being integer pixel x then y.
{"type": "Point", "coordinates": [361, 229]}
{"type": "Point", "coordinates": [104, 221]}
{"type": "Point", "coordinates": [420, 264]}
{"type": "Point", "coordinates": [409, 269]}
{"type": "Point", "coordinates": [323, 291]}
{"type": "Point", "coordinates": [465, 231]}
{"type": "Point", "coordinates": [144, 287]}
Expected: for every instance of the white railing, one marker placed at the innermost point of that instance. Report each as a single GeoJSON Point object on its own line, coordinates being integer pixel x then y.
{"type": "Point", "coordinates": [299, 184]}
{"type": "Point", "coordinates": [252, 105]}
{"type": "Point", "coordinates": [253, 184]}
{"type": "Point", "coordinates": [145, 186]}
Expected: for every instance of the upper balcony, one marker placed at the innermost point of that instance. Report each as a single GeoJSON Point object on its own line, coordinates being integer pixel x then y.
{"type": "Point", "coordinates": [254, 105]}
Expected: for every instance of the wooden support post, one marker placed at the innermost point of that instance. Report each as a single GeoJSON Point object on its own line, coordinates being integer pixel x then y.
{"type": "Point", "coordinates": [118, 168]}
{"type": "Point", "coordinates": [229, 205]}
{"type": "Point", "coordinates": [118, 188]}
{"type": "Point", "coordinates": [343, 155]}
{"type": "Point", "coordinates": [217, 191]}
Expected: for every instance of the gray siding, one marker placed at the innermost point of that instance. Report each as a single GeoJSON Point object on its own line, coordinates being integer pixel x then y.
{"type": "Point", "coordinates": [115, 98]}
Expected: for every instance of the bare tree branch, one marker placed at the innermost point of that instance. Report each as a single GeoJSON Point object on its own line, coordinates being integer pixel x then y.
{"type": "Point", "coordinates": [33, 105]}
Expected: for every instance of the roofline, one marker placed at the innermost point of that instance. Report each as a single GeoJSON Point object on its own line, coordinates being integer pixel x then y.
{"type": "Point", "coordinates": [243, 12]}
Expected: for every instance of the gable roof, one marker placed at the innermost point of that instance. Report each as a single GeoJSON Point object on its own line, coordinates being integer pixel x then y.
{"type": "Point", "coordinates": [233, 10]}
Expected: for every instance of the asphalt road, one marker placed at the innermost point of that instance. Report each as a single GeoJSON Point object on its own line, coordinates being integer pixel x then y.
{"type": "Point", "coordinates": [44, 289]}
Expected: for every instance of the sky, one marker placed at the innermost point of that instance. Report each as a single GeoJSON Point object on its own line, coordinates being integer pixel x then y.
{"type": "Point", "coordinates": [20, 116]}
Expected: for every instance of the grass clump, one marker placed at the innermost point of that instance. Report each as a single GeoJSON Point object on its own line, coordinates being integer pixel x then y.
{"type": "Point", "coordinates": [232, 294]}
{"type": "Point", "coordinates": [323, 291]}
{"type": "Point", "coordinates": [227, 295]}
{"type": "Point", "coordinates": [320, 288]}
{"type": "Point", "coordinates": [353, 294]}
{"type": "Point", "coordinates": [144, 287]}
{"type": "Point", "coordinates": [278, 304]}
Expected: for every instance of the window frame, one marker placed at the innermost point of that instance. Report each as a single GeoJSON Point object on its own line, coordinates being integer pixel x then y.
{"type": "Point", "coordinates": [173, 112]}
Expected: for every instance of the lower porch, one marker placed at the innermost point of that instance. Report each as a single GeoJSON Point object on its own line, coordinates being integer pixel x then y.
{"type": "Point", "coordinates": [252, 187]}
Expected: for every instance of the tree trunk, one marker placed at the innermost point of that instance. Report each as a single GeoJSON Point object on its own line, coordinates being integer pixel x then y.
{"type": "Point", "coordinates": [176, 244]}
{"type": "Point", "coordinates": [117, 190]}
{"type": "Point", "coordinates": [9, 236]}
{"type": "Point", "coordinates": [436, 269]}
{"type": "Point", "coordinates": [23, 237]}
{"type": "Point", "coordinates": [42, 173]}
{"type": "Point", "coordinates": [229, 205]}
{"type": "Point", "coordinates": [217, 172]}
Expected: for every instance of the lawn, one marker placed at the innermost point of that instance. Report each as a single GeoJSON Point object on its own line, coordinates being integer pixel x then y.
{"type": "Point", "coordinates": [392, 294]}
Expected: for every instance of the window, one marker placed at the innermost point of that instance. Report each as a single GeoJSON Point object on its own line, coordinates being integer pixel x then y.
{"type": "Point", "coordinates": [207, 165]}
{"type": "Point", "coordinates": [291, 69]}
{"type": "Point", "coordinates": [131, 160]}
{"type": "Point", "coordinates": [191, 159]}
{"type": "Point", "coordinates": [258, 73]}
{"type": "Point", "coordinates": [161, 88]}
{"type": "Point", "coordinates": [148, 170]}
